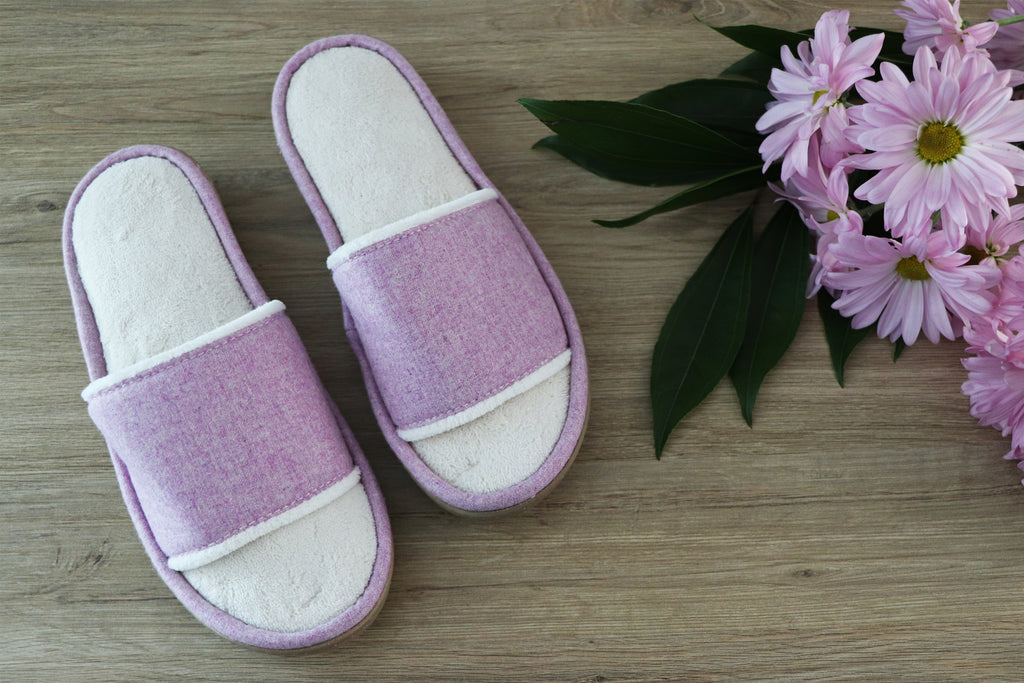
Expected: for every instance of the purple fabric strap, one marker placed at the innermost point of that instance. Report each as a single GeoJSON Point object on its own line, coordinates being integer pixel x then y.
{"type": "Point", "coordinates": [225, 436]}
{"type": "Point", "coordinates": [450, 313]}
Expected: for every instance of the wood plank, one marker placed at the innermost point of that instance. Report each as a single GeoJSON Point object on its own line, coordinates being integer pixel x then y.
{"type": "Point", "coordinates": [867, 532]}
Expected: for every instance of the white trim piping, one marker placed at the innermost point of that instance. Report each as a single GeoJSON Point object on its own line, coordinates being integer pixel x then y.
{"type": "Point", "coordinates": [443, 425]}
{"type": "Point", "coordinates": [399, 226]}
{"type": "Point", "coordinates": [254, 316]}
{"type": "Point", "coordinates": [198, 558]}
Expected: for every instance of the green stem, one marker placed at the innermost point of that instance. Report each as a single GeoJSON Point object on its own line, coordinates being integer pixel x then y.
{"type": "Point", "coordinates": [871, 210]}
{"type": "Point", "coordinates": [1016, 19]}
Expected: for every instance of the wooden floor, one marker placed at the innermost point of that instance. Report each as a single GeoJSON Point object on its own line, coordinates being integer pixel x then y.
{"type": "Point", "coordinates": [867, 532]}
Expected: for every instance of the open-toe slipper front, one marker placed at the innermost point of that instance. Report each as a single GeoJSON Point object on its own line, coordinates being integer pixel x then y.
{"type": "Point", "coordinates": [471, 353]}
{"type": "Point", "coordinates": [248, 490]}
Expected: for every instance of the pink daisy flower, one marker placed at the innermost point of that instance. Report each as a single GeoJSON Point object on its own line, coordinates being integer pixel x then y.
{"type": "Point", "coordinates": [909, 287]}
{"type": "Point", "coordinates": [1009, 308]}
{"type": "Point", "coordinates": [808, 92]}
{"type": "Point", "coordinates": [999, 240]}
{"type": "Point", "coordinates": [1006, 49]}
{"type": "Point", "coordinates": [823, 202]}
{"type": "Point", "coordinates": [995, 382]}
{"type": "Point", "coordinates": [823, 263]}
{"type": "Point", "coordinates": [941, 143]}
{"type": "Point", "coordinates": [823, 205]}
{"type": "Point", "coordinates": [835, 141]}
{"type": "Point", "coordinates": [937, 24]}
{"type": "Point", "coordinates": [822, 197]}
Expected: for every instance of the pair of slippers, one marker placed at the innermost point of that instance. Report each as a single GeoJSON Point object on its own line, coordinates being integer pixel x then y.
{"type": "Point", "coordinates": [247, 488]}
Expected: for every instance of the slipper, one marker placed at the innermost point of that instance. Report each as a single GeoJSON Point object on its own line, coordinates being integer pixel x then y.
{"type": "Point", "coordinates": [470, 351]}
{"type": "Point", "coordinates": [246, 487]}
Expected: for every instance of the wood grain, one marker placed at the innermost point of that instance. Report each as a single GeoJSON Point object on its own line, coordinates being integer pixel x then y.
{"type": "Point", "coordinates": [865, 533]}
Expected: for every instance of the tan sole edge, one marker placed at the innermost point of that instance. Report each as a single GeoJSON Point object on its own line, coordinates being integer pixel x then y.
{"type": "Point", "coordinates": [501, 512]}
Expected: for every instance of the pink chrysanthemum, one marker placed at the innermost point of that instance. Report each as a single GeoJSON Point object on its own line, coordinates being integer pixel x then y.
{"type": "Point", "coordinates": [995, 382]}
{"type": "Point", "coordinates": [823, 200]}
{"type": "Point", "coordinates": [937, 24]}
{"type": "Point", "coordinates": [999, 239]}
{"type": "Point", "coordinates": [823, 205]}
{"type": "Point", "coordinates": [909, 287]}
{"type": "Point", "coordinates": [1008, 311]}
{"type": "Point", "coordinates": [822, 196]}
{"type": "Point", "coordinates": [808, 92]}
{"type": "Point", "coordinates": [824, 263]}
{"type": "Point", "coordinates": [940, 143]}
{"type": "Point", "coordinates": [1006, 48]}
{"type": "Point", "coordinates": [1000, 244]}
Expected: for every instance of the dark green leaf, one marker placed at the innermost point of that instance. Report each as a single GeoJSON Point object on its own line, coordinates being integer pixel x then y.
{"type": "Point", "coordinates": [719, 103]}
{"type": "Point", "coordinates": [703, 330]}
{"type": "Point", "coordinates": [644, 137]}
{"type": "Point", "coordinates": [842, 338]}
{"type": "Point", "coordinates": [768, 43]}
{"type": "Point", "coordinates": [898, 347]}
{"type": "Point", "coordinates": [613, 168]}
{"type": "Point", "coordinates": [778, 287]}
{"type": "Point", "coordinates": [874, 224]}
{"type": "Point", "coordinates": [761, 38]}
{"type": "Point", "coordinates": [739, 181]}
{"type": "Point", "coordinates": [756, 66]}
{"type": "Point", "coordinates": [728, 107]}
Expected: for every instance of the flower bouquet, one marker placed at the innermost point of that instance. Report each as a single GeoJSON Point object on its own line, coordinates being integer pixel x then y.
{"type": "Point", "coordinates": [895, 157]}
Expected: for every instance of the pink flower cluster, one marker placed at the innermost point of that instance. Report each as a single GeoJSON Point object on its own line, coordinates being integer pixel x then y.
{"type": "Point", "coordinates": [905, 181]}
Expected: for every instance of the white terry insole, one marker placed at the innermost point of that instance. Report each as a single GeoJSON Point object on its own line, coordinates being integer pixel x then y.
{"type": "Point", "coordinates": [376, 157]}
{"type": "Point", "coordinates": [157, 276]}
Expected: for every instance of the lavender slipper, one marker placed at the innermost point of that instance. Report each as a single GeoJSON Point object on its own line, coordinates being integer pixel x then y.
{"type": "Point", "coordinates": [471, 353]}
{"type": "Point", "coordinates": [247, 489]}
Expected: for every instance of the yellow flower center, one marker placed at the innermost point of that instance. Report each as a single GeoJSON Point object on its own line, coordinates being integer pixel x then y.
{"type": "Point", "coordinates": [937, 142]}
{"type": "Point", "coordinates": [910, 268]}
{"type": "Point", "coordinates": [817, 95]}
{"type": "Point", "coordinates": [831, 216]}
